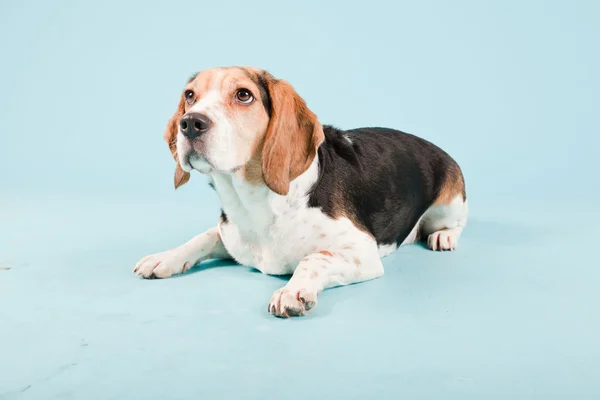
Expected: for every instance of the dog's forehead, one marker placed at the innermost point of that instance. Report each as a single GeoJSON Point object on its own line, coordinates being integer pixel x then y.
{"type": "Point", "coordinates": [222, 78]}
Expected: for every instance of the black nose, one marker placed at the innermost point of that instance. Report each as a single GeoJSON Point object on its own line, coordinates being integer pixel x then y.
{"type": "Point", "coordinates": [193, 125]}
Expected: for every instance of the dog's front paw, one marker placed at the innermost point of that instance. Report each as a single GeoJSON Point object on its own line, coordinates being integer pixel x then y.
{"type": "Point", "coordinates": [292, 302]}
{"type": "Point", "coordinates": [162, 265]}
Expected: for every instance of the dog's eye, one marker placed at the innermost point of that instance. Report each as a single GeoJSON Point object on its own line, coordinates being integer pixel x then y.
{"type": "Point", "coordinates": [244, 96]}
{"type": "Point", "coordinates": [189, 96]}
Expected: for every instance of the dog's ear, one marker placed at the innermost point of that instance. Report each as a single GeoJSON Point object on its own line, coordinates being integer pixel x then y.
{"type": "Point", "coordinates": [293, 136]}
{"type": "Point", "coordinates": [181, 177]}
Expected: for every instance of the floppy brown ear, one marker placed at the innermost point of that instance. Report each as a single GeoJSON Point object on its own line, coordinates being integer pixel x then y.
{"type": "Point", "coordinates": [293, 136]}
{"type": "Point", "coordinates": [181, 176]}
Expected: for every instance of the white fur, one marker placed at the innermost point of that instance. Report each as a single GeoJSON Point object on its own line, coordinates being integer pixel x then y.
{"type": "Point", "coordinates": [273, 233]}
{"type": "Point", "coordinates": [180, 259]}
{"type": "Point", "coordinates": [225, 147]}
{"type": "Point", "coordinates": [282, 235]}
{"type": "Point", "coordinates": [277, 234]}
{"type": "Point", "coordinates": [221, 147]}
{"type": "Point", "coordinates": [444, 224]}
{"type": "Point", "coordinates": [387, 249]}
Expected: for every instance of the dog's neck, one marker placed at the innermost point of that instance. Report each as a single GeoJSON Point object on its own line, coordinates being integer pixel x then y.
{"type": "Point", "coordinates": [254, 208]}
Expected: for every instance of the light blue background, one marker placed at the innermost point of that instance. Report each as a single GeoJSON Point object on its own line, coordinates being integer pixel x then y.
{"type": "Point", "coordinates": [509, 88]}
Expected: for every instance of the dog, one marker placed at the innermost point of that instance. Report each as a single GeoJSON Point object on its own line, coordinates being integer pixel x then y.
{"type": "Point", "coordinates": [302, 198]}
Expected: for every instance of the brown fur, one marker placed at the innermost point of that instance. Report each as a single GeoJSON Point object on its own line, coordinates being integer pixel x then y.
{"type": "Point", "coordinates": [292, 138]}
{"type": "Point", "coordinates": [341, 207]}
{"type": "Point", "coordinates": [252, 171]}
{"type": "Point", "coordinates": [252, 119]}
{"type": "Point", "coordinates": [170, 135]}
{"type": "Point", "coordinates": [283, 151]}
{"type": "Point", "coordinates": [454, 185]}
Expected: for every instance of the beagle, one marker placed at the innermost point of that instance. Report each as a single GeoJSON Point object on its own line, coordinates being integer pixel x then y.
{"type": "Point", "coordinates": [301, 198]}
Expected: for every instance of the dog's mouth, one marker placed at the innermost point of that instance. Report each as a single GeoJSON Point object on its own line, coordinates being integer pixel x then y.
{"type": "Point", "coordinates": [199, 162]}
{"type": "Point", "coordinates": [184, 161]}
{"type": "Point", "coordinates": [205, 165]}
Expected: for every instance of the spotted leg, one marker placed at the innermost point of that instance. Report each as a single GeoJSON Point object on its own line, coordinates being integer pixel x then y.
{"type": "Point", "coordinates": [323, 270]}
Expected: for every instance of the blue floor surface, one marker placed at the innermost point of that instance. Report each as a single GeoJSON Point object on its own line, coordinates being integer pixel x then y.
{"type": "Point", "coordinates": [511, 314]}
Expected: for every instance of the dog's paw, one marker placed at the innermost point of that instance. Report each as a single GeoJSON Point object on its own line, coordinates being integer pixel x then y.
{"type": "Point", "coordinates": [292, 302]}
{"type": "Point", "coordinates": [443, 240]}
{"type": "Point", "coordinates": [162, 265]}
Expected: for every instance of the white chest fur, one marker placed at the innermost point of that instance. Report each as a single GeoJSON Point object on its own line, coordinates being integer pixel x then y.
{"type": "Point", "coordinates": [273, 233]}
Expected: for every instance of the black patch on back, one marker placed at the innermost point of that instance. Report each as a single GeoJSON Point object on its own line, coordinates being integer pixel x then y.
{"type": "Point", "coordinates": [387, 178]}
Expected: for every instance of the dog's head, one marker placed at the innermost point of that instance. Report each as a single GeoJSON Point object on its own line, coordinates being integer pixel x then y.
{"type": "Point", "coordinates": [243, 120]}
